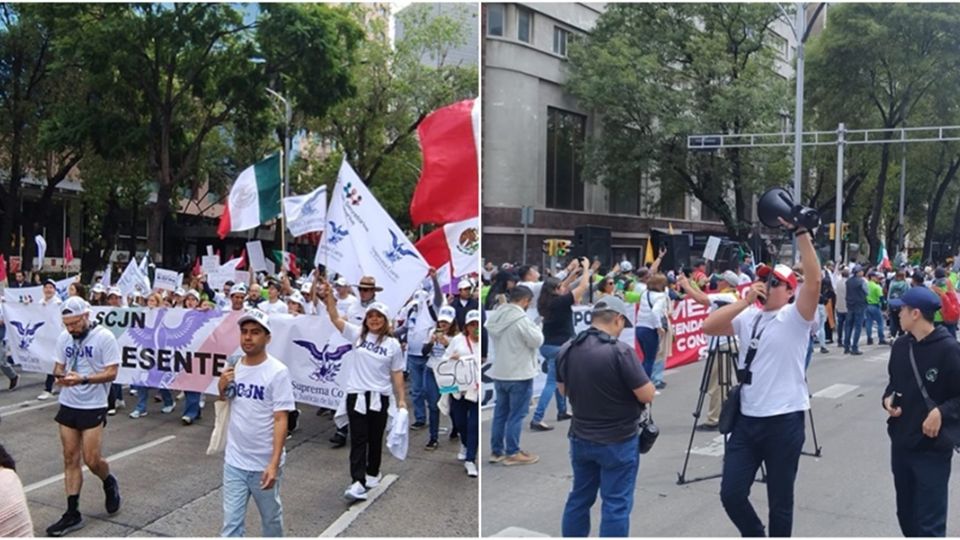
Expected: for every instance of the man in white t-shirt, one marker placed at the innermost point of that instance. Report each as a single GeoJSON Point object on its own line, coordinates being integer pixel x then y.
{"type": "Point", "coordinates": [770, 427]}
{"type": "Point", "coordinates": [262, 396]}
{"type": "Point", "coordinates": [88, 359]}
{"type": "Point", "coordinates": [346, 301]}
{"type": "Point", "coordinates": [273, 304]}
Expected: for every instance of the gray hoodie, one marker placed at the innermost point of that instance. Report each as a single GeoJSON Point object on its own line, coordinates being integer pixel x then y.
{"type": "Point", "coordinates": [515, 340]}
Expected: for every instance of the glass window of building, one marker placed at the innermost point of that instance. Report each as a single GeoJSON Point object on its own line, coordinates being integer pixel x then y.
{"type": "Point", "coordinates": [565, 138]}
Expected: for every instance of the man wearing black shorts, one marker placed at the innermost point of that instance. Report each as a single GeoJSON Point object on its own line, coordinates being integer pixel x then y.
{"type": "Point", "coordinates": [88, 361]}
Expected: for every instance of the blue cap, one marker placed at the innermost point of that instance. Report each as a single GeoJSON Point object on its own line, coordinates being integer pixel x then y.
{"type": "Point", "coordinates": [920, 298]}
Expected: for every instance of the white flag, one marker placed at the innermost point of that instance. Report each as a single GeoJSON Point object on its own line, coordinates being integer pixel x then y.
{"type": "Point", "coordinates": [132, 281]}
{"type": "Point", "coordinates": [463, 240]}
{"type": "Point", "coordinates": [41, 250]}
{"type": "Point", "coordinates": [361, 239]}
{"type": "Point", "coordinates": [306, 213]}
{"type": "Point", "coordinates": [107, 277]}
{"type": "Point", "coordinates": [144, 262]}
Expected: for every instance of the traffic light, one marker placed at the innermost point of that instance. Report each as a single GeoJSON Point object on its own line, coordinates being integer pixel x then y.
{"type": "Point", "coordinates": [550, 247]}
{"type": "Point", "coordinates": [563, 248]}
{"type": "Point", "coordinates": [845, 231]}
{"type": "Point", "coordinates": [833, 231]}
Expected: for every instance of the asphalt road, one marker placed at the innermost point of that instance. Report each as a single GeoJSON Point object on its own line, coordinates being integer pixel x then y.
{"type": "Point", "coordinates": [170, 487]}
{"type": "Point", "coordinates": [848, 491]}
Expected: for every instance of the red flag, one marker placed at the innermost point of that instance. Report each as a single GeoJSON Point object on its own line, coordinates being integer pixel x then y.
{"type": "Point", "coordinates": [434, 248]}
{"type": "Point", "coordinates": [243, 260]}
{"type": "Point", "coordinates": [3, 267]}
{"type": "Point", "coordinates": [197, 269]}
{"type": "Point", "coordinates": [68, 251]}
{"type": "Point", "coordinates": [448, 189]}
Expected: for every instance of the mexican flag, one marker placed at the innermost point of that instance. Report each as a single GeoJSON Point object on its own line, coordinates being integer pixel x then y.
{"type": "Point", "coordinates": [884, 260]}
{"type": "Point", "coordinates": [254, 198]}
{"type": "Point", "coordinates": [288, 261]}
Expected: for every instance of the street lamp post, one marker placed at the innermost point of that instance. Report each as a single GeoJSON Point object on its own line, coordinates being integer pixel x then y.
{"type": "Point", "coordinates": [285, 165]}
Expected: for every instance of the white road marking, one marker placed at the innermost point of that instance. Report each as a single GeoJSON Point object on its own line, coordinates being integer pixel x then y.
{"type": "Point", "coordinates": [23, 409]}
{"type": "Point", "coordinates": [348, 517]}
{"type": "Point", "coordinates": [713, 448]}
{"type": "Point", "coordinates": [118, 455]}
{"type": "Point", "coordinates": [18, 405]}
{"type": "Point", "coordinates": [519, 532]}
{"type": "Point", "coordinates": [835, 391]}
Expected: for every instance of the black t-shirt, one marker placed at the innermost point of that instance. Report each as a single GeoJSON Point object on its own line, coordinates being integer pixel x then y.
{"type": "Point", "coordinates": [558, 325]}
{"type": "Point", "coordinates": [599, 379]}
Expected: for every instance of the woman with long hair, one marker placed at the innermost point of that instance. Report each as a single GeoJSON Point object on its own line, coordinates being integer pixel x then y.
{"type": "Point", "coordinates": [377, 365]}
{"type": "Point", "coordinates": [434, 350]}
{"type": "Point", "coordinates": [555, 305]}
{"type": "Point", "coordinates": [464, 404]}
{"type": "Point", "coordinates": [652, 320]}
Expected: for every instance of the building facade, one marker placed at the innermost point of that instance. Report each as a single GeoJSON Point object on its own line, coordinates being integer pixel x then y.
{"type": "Point", "coordinates": [529, 123]}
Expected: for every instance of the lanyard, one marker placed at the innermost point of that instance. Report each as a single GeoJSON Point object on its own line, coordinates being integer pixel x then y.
{"type": "Point", "coordinates": [754, 342]}
{"type": "Point", "coordinates": [469, 345]}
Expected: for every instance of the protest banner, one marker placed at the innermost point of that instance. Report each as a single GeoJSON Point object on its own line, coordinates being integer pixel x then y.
{"type": "Point", "coordinates": [167, 280]}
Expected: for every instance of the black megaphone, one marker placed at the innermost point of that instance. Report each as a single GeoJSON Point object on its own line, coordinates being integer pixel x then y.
{"type": "Point", "coordinates": [778, 203]}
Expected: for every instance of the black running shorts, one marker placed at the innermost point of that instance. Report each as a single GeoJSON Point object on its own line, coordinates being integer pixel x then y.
{"type": "Point", "coordinates": [81, 419]}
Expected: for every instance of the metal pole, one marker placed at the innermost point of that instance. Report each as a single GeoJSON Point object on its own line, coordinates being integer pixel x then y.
{"type": "Point", "coordinates": [903, 186]}
{"type": "Point", "coordinates": [799, 30]}
{"type": "Point", "coordinates": [841, 130]}
{"type": "Point", "coordinates": [524, 242]}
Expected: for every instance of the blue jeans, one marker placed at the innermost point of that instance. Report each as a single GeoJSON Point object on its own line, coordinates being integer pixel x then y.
{"type": "Point", "coordinates": [841, 323]}
{"type": "Point", "coordinates": [609, 468]}
{"type": "Point", "coordinates": [431, 393]}
{"type": "Point", "coordinates": [466, 418]}
{"type": "Point", "coordinates": [775, 441]}
{"type": "Point", "coordinates": [649, 341]}
{"type": "Point", "coordinates": [191, 405]}
{"type": "Point", "coordinates": [416, 365]}
{"type": "Point", "coordinates": [549, 352]}
{"type": "Point", "coordinates": [511, 407]}
{"type": "Point", "coordinates": [921, 480]}
{"type": "Point", "coordinates": [851, 330]}
{"type": "Point", "coordinates": [238, 486]}
{"type": "Point", "coordinates": [874, 315]}
{"type": "Point", "coordinates": [143, 395]}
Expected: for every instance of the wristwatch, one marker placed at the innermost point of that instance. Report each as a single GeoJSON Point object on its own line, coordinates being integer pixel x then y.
{"type": "Point", "coordinates": [86, 380]}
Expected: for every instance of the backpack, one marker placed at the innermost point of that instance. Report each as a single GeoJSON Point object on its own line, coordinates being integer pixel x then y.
{"type": "Point", "coordinates": [950, 309]}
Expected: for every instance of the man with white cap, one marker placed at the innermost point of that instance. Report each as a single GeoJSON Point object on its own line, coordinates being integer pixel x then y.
{"type": "Point", "coordinates": [345, 298]}
{"type": "Point", "coordinates": [464, 301]}
{"type": "Point", "coordinates": [88, 359]}
{"type": "Point", "coordinates": [238, 296]}
{"type": "Point", "coordinates": [773, 395]}
{"type": "Point", "coordinates": [274, 304]}
{"type": "Point", "coordinates": [261, 394]}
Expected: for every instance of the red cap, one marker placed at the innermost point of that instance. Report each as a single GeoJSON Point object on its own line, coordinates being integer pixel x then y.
{"type": "Point", "coordinates": [782, 272]}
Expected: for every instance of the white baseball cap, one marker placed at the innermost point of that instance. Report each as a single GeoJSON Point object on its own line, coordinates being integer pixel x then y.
{"type": "Point", "coordinates": [256, 316]}
{"type": "Point", "coordinates": [379, 307]}
{"type": "Point", "coordinates": [74, 306]}
{"type": "Point", "coordinates": [447, 313]}
{"type": "Point", "coordinates": [98, 288]}
{"type": "Point", "coordinates": [298, 298]}
{"type": "Point", "coordinates": [238, 289]}
{"type": "Point", "coordinates": [193, 293]}
{"type": "Point", "coordinates": [115, 291]}
{"type": "Point", "coordinates": [341, 282]}
{"type": "Point", "coordinates": [305, 288]}
{"type": "Point", "coordinates": [472, 316]}
{"type": "Point", "coordinates": [465, 284]}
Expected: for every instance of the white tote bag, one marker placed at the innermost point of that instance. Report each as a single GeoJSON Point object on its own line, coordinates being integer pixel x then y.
{"type": "Point", "coordinates": [218, 439]}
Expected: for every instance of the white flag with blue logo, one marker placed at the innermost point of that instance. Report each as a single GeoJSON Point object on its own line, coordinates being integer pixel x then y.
{"type": "Point", "coordinates": [306, 213]}
{"type": "Point", "coordinates": [361, 239]}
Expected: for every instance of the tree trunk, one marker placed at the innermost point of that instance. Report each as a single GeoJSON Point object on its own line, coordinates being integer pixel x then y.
{"type": "Point", "coordinates": [11, 216]}
{"type": "Point", "coordinates": [934, 208]}
{"type": "Point", "coordinates": [875, 214]}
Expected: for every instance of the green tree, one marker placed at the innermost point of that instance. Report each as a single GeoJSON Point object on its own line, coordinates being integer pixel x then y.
{"type": "Point", "coordinates": [660, 72]}
{"type": "Point", "coordinates": [395, 90]}
{"type": "Point", "coordinates": [874, 65]}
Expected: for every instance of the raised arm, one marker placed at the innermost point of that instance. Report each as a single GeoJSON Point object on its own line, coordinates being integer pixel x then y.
{"type": "Point", "coordinates": [809, 295]}
{"type": "Point", "coordinates": [720, 322]}
{"type": "Point", "coordinates": [584, 281]}
{"type": "Point", "coordinates": [655, 267]}
{"type": "Point", "coordinates": [695, 293]}
{"type": "Point", "coordinates": [338, 322]}
{"type": "Point", "coordinates": [437, 293]}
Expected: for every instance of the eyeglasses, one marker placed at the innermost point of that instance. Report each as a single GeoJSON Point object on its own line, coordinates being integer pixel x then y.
{"type": "Point", "coordinates": [368, 289]}
{"type": "Point", "coordinates": [775, 282]}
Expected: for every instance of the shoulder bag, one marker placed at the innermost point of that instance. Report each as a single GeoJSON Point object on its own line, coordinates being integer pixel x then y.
{"type": "Point", "coordinates": [951, 433]}
{"type": "Point", "coordinates": [730, 410]}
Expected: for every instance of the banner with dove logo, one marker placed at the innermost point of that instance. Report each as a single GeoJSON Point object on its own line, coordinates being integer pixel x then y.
{"type": "Point", "coordinates": [182, 349]}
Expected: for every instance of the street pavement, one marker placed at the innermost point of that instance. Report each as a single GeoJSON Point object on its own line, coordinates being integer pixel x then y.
{"type": "Point", "coordinates": [848, 491]}
{"type": "Point", "coordinates": [170, 487]}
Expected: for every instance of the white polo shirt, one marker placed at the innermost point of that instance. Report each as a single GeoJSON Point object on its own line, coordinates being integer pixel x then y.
{"type": "Point", "coordinates": [778, 383]}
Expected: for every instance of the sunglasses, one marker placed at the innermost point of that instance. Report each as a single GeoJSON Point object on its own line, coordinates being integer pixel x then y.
{"type": "Point", "coordinates": [775, 282]}
{"type": "Point", "coordinates": [361, 289]}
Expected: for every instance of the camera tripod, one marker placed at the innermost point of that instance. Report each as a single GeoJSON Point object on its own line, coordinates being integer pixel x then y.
{"type": "Point", "coordinates": [722, 356]}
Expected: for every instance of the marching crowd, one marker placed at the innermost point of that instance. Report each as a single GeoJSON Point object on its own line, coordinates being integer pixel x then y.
{"type": "Point", "coordinates": [529, 317]}
{"type": "Point", "coordinates": [392, 362]}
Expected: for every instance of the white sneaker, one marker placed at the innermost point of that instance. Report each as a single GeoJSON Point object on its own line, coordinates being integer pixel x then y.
{"type": "Point", "coordinates": [180, 396]}
{"type": "Point", "coordinates": [133, 391]}
{"type": "Point", "coordinates": [45, 396]}
{"type": "Point", "coordinates": [203, 402]}
{"type": "Point", "coordinates": [168, 409]}
{"type": "Point", "coordinates": [137, 414]}
{"type": "Point", "coordinates": [111, 412]}
{"type": "Point", "coordinates": [462, 455]}
{"type": "Point", "coordinates": [656, 392]}
{"type": "Point", "coordinates": [471, 469]}
{"type": "Point", "coordinates": [373, 481]}
{"type": "Point", "coordinates": [356, 492]}
{"type": "Point", "coordinates": [121, 404]}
